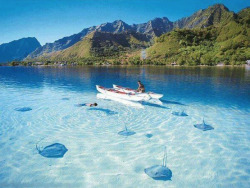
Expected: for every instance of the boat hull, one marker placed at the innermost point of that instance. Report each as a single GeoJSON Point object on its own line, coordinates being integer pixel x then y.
{"type": "Point", "coordinates": [128, 90]}
{"type": "Point", "coordinates": [122, 95]}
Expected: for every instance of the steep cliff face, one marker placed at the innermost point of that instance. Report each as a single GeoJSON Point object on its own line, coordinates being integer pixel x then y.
{"type": "Point", "coordinates": [18, 49]}
{"type": "Point", "coordinates": [103, 44]}
{"type": "Point", "coordinates": [216, 15]}
{"type": "Point", "coordinates": [226, 41]}
{"type": "Point", "coordinates": [153, 28]}
{"type": "Point", "coordinates": [213, 15]}
{"type": "Point", "coordinates": [244, 16]}
{"type": "Point", "coordinates": [117, 26]}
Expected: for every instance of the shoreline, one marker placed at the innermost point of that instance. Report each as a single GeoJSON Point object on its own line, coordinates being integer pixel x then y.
{"type": "Point", "coordinates": [220, 66]}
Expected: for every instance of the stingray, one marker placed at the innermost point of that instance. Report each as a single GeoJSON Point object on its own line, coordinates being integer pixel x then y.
{"type": "Point", "coordinates": [55, 150]}
{"type": "Point", "coordinates": [107, 111]}
{"type": "Point", "coordinates": [65, 99]}
{"type": "Point", "coordinates": [149, 135]}
{"type": "Point", "coordinates": [24, 109]}
{"type": "Point", "coordinates": [126, 132]}
{"type": "Point", "coordinates": [179, 113]}
{"type": "Point", "coordinates": [203, 126]}
{"type": "Point", "coordinates": [159, 172]}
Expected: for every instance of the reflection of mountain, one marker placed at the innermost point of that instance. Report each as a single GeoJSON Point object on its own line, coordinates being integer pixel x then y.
{"type": "Point", "coordinates": [175, 83]}
{"type": "Point", "coordinates": [184, 85]}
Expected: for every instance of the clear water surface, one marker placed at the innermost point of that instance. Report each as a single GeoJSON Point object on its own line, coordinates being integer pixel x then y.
{"type": "Point", "coordinates": [97, 155]}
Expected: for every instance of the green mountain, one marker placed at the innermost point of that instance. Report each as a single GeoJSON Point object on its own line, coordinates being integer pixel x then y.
{"type": "Point", "coordinates": [227, 42]}
{"type": "Point", "coordinates": [214, 15]}
{"type": "Point", "coordinates": [18, 49]}
{"type": "Point", "coordinates": [152, 28]}
{"type": "Point", "coordinates": [244, 16]}
{"type": "Point", "coordinates": [209, 36]}
{"type": "Point", "coordinates": [103, 44]}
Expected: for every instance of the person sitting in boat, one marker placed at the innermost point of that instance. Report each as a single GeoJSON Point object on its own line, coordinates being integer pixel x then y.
{"type": "Point", "coordinates": [91, 105]}
{"type": "Point", "coordinates": [141, 88]}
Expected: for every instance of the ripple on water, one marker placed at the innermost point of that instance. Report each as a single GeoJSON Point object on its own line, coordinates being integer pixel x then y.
{"type": "Point", "coordinates": [98, 156]}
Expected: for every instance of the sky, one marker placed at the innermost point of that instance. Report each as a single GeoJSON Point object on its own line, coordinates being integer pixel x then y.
{"type": "Point", "coordinates": [50, 20]}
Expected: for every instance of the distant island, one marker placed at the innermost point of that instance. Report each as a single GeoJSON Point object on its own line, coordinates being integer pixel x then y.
{"type": "Point", "coordinates": [211, 36]}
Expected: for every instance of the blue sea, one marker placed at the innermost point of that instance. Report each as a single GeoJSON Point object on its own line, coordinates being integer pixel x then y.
{"type": "Point", "coordinates": [39, 107]}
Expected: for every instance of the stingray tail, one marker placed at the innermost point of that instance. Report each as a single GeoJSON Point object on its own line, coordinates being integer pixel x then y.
{"type": "Point", "coordinates": [38, 149]}
{"type": "Point", "coordinates": [203, 121]}
{"type": "Point", "coordinates": [164, 163]}
{"type": "Point", "coordinates": [126, 128]}
{"type": "Point", "coordinates": [183, 112]}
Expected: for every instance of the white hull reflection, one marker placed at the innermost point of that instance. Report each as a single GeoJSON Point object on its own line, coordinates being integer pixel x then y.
{"type": "Point", "coordinates": [155, 101]}
{"type": "Point", "coordinates": [123, 101]}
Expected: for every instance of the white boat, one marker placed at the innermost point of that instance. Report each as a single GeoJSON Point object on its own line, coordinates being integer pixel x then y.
{"type": "Point", "coordinates": [128, 90]}
{"type": "Point", "coordinates": [123, 95]}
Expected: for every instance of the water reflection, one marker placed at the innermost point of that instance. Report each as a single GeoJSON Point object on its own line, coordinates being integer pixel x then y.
{"type": "Point", "coordinates": [217, 85]}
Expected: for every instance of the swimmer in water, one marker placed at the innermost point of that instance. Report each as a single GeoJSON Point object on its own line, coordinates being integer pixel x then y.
{"type": "Point", "coordinates": [91, 105]}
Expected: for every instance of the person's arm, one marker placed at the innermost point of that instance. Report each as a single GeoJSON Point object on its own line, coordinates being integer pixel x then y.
{"type": "Point", "coordinates": [138, 88]}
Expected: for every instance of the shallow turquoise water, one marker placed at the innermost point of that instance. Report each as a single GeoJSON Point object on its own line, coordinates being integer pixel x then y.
{"type": "Point", "coordinates": [97, 155]}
